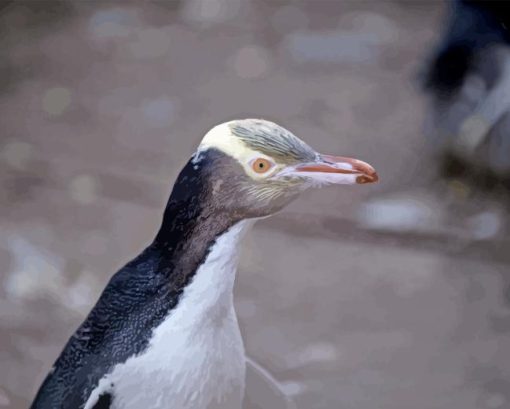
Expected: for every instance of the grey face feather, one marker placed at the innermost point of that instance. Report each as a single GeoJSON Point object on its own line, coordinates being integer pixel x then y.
{"type": "Point", "coordinates": [232, 192]}
{"type": "Point", "coordinates": [272, 140]}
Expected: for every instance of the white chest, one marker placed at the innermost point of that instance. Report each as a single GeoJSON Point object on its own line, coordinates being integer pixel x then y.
{"type": "Point", "coordinates": [195, 358]}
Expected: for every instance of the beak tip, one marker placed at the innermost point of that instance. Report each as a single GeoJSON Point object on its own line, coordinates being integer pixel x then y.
{"type": "Point", "coordinates": [367, 173]}
{"type": "Point", "coordinates": [367, 178]}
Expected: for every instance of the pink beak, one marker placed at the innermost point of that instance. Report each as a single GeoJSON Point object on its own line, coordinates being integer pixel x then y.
{"type": "Point", "coordinates": [339, 170]}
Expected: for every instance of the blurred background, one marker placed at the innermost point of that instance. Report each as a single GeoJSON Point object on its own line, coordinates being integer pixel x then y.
{"type": "Point", "coordinates": [392, 296]}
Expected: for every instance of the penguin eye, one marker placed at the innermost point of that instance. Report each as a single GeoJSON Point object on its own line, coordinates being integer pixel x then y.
{"type": "Point", "coordinates": [261, 165]}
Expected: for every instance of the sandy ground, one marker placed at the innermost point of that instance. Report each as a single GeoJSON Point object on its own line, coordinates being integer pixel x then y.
{"type": "Point", "coordinates": [102, 103]}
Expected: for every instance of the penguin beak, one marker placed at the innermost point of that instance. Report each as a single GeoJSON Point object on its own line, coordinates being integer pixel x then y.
{"type": "Point", "coordinates": [328, 169]}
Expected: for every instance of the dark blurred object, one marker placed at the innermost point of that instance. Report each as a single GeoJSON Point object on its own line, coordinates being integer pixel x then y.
{"type": "Point", "coordinates": [473, 26]}
{"type": "Point", "coordinates": [468, 80]}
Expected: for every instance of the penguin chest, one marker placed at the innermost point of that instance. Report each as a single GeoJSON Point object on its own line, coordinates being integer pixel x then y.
{"type": "Point", "coordinates": [201, 369]}
{"type": "Point", "coordinates": [195, 358]}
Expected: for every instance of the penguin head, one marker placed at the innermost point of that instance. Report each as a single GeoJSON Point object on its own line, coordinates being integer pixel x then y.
{"type": "Point", "coordinates": [255, 167]}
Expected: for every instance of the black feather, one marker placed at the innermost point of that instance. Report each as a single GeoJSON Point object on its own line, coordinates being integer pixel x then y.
{"type": "Point", "coordinates": [104, 401]}
{"type": "Point", "coordinates": [137, 298]}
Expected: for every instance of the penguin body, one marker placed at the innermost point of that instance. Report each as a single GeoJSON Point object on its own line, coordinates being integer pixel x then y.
{"type": "Point", "coordinates": [133, 318]}
{"type": "Point", "coordinates": [206, 345]}
{"type": "Point", "coordinates": [164, 333]}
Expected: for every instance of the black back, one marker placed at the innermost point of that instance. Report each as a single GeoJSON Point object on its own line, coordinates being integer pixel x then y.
{"type": "Point", "coordinates": [140, 295]}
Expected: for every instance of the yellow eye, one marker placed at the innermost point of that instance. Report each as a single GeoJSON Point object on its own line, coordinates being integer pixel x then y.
{"type": "Point", "coordinates": [261, 165]}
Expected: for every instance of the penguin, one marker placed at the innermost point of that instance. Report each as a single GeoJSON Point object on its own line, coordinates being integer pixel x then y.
{"type": "Point", "coordinates": [164, 333]}
{"type": "Point", "coordinates": [467, 82]}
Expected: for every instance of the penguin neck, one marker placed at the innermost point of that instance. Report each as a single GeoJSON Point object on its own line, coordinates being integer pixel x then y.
{"type": "Point", "coordinates": [203, 270]}
{"type": "Point", "coordinates": [191, 223]}
{"type": "Point", "coordinates": [208, 295]}
{"type": "Point", "coordinates": [197, 244]}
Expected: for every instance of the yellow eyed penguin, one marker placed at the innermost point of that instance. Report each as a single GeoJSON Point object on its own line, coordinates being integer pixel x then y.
{"type": "Point", "coordinates": [164, 333]}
